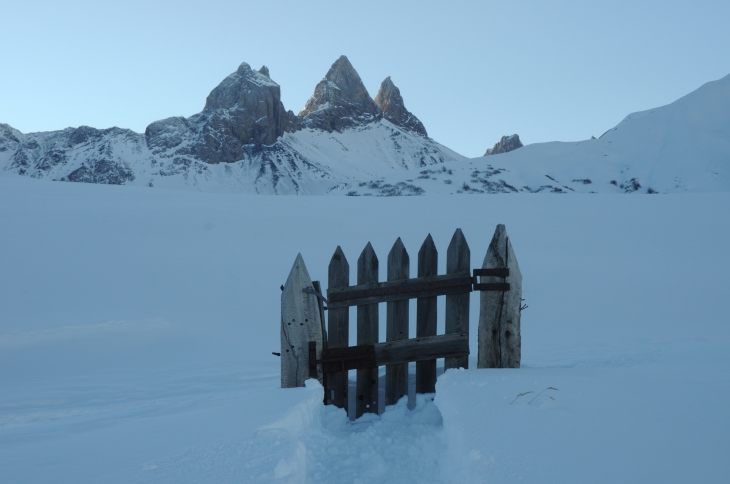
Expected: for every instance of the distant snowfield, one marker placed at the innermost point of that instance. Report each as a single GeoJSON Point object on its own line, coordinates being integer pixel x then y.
{"type": "Point", "coordinates": [681, 147]}
{"type": "Point", "coordinates": [137, 325]}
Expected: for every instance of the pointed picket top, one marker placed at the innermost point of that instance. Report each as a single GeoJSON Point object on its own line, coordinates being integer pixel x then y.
{"type": "Point", "coordinates": [499, 318]}
{"type": "Point", "coordinates": [367, 265]}
{"type": "Point", "coordinates": [366, 400]}
{"type": "Point", "coordinates": [338, 327]}
{"type": "Point", "coordinates": [458, 259]}
{"type": "Point", "coordinates": [426, 316]}
{"type": "Point", "coordinates": [339, 269]}
{"type": "Point", "coordinates": [398, 262]}
{"type": "Point", "coordinates": [300, 324]}
{"type": "Point", "coordinates": [500, 254]}
{"type": "Point", "coordinates": [458, 255]}
{"type": "Point", "coordinates": [396, 325]}
{"type": "Point", "coordinates": [428, 258]}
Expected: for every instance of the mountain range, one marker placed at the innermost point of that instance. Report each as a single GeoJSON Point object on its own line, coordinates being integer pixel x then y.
{"type": "Point", "coordinates": [346, 142]}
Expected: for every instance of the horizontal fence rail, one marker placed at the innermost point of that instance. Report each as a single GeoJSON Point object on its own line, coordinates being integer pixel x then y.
{"type": "Point", "coordinates": [390, 353]}
{"type": "Point", "coordinates": [378, 292]}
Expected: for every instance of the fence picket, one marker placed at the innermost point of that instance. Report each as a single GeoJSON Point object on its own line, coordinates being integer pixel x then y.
{"type": "Point", "coordinates": [499, 313]}
{"type": "Point", "coordinates": [426, 310]}
{"type": "Point", "coordinates": [300, 324]}
{"type": "Point", "coordinates": [338, 328]}
{"type": "Point", "coordinates": [367, 333]}
{"type": "Point", "coordinates": [458, 259]}
{"type": "Point", "coordinates": [396, 376]}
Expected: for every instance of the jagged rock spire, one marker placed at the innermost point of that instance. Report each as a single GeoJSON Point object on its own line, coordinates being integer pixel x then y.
{"type": "Point", "coordinates": [391, 105]}
{"type": "Point", "coordinates": [340, 100]}
{"type": "Point", "coordinates": [507, 143]}
{"type": "Point", "coordinates": [242, 87]}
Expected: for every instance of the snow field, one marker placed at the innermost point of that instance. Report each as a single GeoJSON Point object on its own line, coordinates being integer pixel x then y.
{"type": "Point", "coordinates": [137, 325]}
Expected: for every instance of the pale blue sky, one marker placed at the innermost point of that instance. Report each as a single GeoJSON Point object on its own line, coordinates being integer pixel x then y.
{"type": "Point", "coordinates": [471, 71]}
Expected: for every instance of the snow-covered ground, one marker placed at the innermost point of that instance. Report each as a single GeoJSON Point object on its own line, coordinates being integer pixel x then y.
{"type": "Point", "coordinates": [137, 325]}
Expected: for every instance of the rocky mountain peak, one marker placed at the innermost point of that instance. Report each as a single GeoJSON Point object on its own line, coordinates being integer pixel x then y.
{"type": "Point", "coordinates": [340, 100]}
{"type": "Point", "coordinates": [244, 109]}
{"type": "Point", "coordinates": [394, 110]}
{"type": "Point", "coordinates": [237, 88]}
{"type": "Point", "coordinates": [506, 144]}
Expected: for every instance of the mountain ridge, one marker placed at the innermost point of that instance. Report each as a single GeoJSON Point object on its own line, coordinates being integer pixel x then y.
{"type": "Point", "coordinates": [345, 142]}
{"type": "Point", "coordinates": [243, 126]}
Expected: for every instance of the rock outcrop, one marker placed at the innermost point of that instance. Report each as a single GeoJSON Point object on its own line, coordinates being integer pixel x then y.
{"type": "Point", "coordinates": [82, 154]}
{"type": "Point", "coordinates": [506, 144]}
{"type": "Point", "coordinates": [340, 101]}
{"type": "Point", "coordinates": [9, 138]}
{"type": "Point", "coordinates": [244, 109]}
{"type": "Point", "coordinates": [392, 108]}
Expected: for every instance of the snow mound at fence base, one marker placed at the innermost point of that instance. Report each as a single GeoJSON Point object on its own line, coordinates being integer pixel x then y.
{"type": "Point", "coordinates": [401, 445]}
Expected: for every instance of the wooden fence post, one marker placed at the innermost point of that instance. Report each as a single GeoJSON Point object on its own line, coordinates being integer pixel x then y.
{"type": "Point", "coordinates": [338, 329]}
{"type": "Point", "coordinates": [367, 334]}
{"type": "Point", "coordinates": [300, 324]}
{"type": "Point", "coordinates": [499, 313]}
{"type": "Point", "coordinates": [458, 259]}
{"type": "Point", "coordinates": [426, 309]}
{"type": "Point", "coordinates": [396, 376]}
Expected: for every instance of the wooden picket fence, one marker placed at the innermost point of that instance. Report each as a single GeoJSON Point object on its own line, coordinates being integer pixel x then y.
{"type": "Point", "coordinates": [311, 351]}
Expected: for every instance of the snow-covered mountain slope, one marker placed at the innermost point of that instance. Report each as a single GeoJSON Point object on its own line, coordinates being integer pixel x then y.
{"type": "Point", "coordinates": [244, 141]}
{"type": "Point", "coordinates": [684, 146]}
{"type": "Point", "coordinates": [307, 162]}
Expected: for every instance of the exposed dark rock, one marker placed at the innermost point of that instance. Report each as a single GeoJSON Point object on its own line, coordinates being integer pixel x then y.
{"type": "Point", "coordinates": [101, 171]}
{"type": "Point", "coordinates": [9, 138]}
{"type": "Point", "coordinates": [506, 144]}
{"type": "Point", "coordinates": [631, 185]}
{"type": "Point", "coordinates": [340, 100]}
{"type": "Point", "coordinates": [244, 109]}
{"type": "Point", "coordinates": [391, 106]}
{"type": "Point", "coordinates": [166, 134]}
{"type": "Point", "coordinates": [84, 134]}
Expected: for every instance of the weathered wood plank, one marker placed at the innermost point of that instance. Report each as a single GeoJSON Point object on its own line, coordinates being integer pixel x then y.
{"type": "Point", "coordinates": [396, 376]}
{"type": "Point", "coordinates": [426, 310]}
{"type": "Point", "coordinates": [300, 324]}
{"type": "Point", "coordinates": [415, 284]}
{"type": "Point", "coordinates": [358, 357]}
{"type": "Point", "coordinates": [366, 400]}
{"type": "Point", "coordinates": [395, 352]}
{"type": "Point", "coordinates": [338, 328]}
{"type": "Point", "coordinates": [419, 349]}
{"type": "Point", "coordinates": [458, 259]}
{"type": "Point", "coordinates": [500, 341]}
{"type": "Point", "coordinates": [458, 283]}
